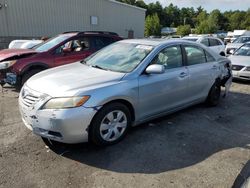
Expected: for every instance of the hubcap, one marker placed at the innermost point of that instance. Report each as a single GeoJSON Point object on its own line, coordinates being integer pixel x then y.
{"type": "Point", "coordinates": [113, 125]}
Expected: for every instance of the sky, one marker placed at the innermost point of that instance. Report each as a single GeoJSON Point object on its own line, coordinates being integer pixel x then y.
{"type": "Point", "coordinates": [222, 5]}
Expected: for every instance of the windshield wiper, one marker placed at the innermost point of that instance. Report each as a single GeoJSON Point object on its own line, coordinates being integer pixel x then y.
{"type": "Point", "coordinates": [83, 62]}
{"type": "Point", "coordinates": [98, 67]}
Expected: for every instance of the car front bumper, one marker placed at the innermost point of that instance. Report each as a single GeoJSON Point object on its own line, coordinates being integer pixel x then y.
{"type": "Point", "coordinates": [243, 75]}
{"type": "Point", "coordinates": [8, 77]}
{"type": "Point", "coordinates": [64, 125]}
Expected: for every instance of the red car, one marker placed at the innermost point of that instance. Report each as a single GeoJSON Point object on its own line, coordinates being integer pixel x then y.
{"type": "Point", "coordinates": [18, 65]}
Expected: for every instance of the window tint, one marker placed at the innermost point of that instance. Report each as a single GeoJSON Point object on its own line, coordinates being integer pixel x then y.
{"type": "Point", "coordinates": [100, 42]}
{"type": "Point", "coordinates": [214, 42]}
{"type": "Point", "coordinates": [246, 39]}
{"type": "Point", "coordinates": [77, 45]}
{"type": "Point", "coordinates": [119, 57]}
{"type": "Point", "coordinates": [195, 55]}
{"type": "Point", "coordinates": [242, 40]}
{"type": "Point", "coordinates": [170, 57]}
{"type": "Point", "coordinates": [209, 57]}
{"type": "Point", "coordinates": [219, 42]}
{"type": "Point", "coordinates": [205, 42]}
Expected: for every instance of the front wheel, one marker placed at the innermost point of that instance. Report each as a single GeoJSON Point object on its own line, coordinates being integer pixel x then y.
{"type": "Point", "coordinates": [214, 95]}
{"type": "Point", "coordinates": [110, 124]}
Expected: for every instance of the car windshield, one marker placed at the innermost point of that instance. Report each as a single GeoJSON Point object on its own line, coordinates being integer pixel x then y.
{"type": "Point", "coordinates": [119, 57]}
{"type": "Point", "coordinates": [241, 40]}
{"type": "Point", "coordinates": [244, 50]}
{"type": "Point", "coordinates": [45, 46]}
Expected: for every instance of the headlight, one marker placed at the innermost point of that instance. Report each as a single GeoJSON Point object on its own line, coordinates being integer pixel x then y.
{"type": "Point", "coordinates": [67, 102]}
{"type": "Point", "coordinates": [6, 64]}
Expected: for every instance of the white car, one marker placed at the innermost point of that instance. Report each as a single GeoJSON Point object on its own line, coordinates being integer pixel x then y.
{"type": "Point", "coordinates": [122, 85]}
{"type": "Point", "coordinates": [23, 44]}
{"type": "Point", "coordinates": [241, 62]}
{"type": "Point", "coordinates": [30, 44]}
{"type": "Point", "coordinates": [213, 43]}
{"type": "Point", "coordinates": [231, 47]}
{"type": "Point", "coordinates": [16, 44]}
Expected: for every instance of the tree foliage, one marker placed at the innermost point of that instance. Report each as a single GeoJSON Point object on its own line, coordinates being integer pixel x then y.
{"type": "Point", "coordinates": [201, 20]}
{"type": "Point", "coordinates": [152, 25]}
{"type": "Point", "coordinates": [183, 30]}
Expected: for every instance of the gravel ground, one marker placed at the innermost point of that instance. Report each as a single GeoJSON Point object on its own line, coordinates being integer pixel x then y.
{"type": "Point", "coordinates": [197, 147]}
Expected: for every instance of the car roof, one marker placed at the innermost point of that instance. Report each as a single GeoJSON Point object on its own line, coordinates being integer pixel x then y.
{"type": "Point", "coordinates": [92, 33]}
{"type": "Point", "coordinates": [157, 42]}
{"type": "Point", "coordinates": [192, 37]}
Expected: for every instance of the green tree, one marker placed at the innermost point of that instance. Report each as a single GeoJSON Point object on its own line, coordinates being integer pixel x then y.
{"type": "Point", "coordinates": [152, 25]}
{"type": "Point", "coordinates": [236, 20]}
{"type": "Point", "coordinates": [183, 30]}
{"type": "Point", "coordinates": [246, 22]}
{"type": "Point", "coordinates": [172, 16]}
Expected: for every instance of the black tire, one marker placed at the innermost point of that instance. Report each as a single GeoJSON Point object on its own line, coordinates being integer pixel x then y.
{"type": "Point", "coordinates": [95, 132]}
{"type": "Point", "coordinates": [214, 94]}
{"type": "Point", "coordinates": [28, 74]}
{"type": "Point", "coordinates": [222, 54]}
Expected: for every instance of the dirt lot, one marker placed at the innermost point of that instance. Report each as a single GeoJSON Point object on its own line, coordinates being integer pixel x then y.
{"type": "Point", "coordinates": [197, 147]}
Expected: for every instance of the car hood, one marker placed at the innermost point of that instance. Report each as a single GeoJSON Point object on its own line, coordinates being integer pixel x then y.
{"type": "Point", "coordinates": [8, 53]}
{"type": "Point", "coordinates": [71, 80]}
{"type": "Point", "coordinates": [240, 60]}
{"type": "Point", "coordinates": [234, 45]}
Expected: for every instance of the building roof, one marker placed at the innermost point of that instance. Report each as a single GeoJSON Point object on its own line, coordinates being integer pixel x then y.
{"type": "Point", "coordinates": [124, 4]}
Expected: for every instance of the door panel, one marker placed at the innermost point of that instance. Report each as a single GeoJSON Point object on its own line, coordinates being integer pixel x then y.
{"type": "Point", "coordinates": [162, 92]}
{"type": "Point", "coordinates": [71, 57]}
{"type": "Point", "coordinates": [200, 80]}
{"type": "Point", "coordinates": [72, 51]}
{"type": "Point", "coordinates": [201, 73]}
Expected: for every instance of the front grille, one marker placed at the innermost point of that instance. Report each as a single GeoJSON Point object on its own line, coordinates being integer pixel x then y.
{"type": "Point", "coordinates": [30, 100]}
{"type": "Point", "coordinates": [237, 67]}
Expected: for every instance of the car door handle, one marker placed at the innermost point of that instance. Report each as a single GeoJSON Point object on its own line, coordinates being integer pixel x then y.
{"type": "Point", "coordinates": [183, 74]}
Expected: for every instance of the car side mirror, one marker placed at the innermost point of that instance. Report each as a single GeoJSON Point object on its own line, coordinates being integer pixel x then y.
{"type": "Point", "coordinates": [155, 69]}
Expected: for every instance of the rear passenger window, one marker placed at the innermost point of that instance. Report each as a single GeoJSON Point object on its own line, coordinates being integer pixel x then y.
{"type": "Point", "coordinates": [100, 42]}
{"type": "Point", "coordinates": [205, 42]}
{"type": "Point", "coordinates": [214, 42]}
{"type": "Point", "coordinates": [195, 55]}
{"type": "Point", "coordinates": [209, 57]}
{"type": "Point", "coordinates": [170, 57]}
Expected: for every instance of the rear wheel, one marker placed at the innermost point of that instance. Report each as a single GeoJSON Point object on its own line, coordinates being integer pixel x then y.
{"type": "Point", "coordinates": [110, 124]}
{"type": "Point", "coordinates": [214, 95]}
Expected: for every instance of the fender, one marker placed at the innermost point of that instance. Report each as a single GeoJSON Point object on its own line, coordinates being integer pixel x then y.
{"type": "Point", "coordinates": [35, 64]}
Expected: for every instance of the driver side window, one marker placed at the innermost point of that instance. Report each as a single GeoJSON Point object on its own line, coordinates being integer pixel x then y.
{"type": "Point", "coordinates": [170, 57]}
{"type": "Point", "coordinates": [77, 45]}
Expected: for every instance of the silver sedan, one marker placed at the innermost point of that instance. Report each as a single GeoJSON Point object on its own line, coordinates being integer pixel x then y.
{"type": "Point", "coordinates": [241, 62]}
{"type": "Point", "coordinates": [123, 85]}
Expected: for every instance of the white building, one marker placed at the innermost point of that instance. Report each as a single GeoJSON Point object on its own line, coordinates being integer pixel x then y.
{"type": "Point", "coordinates": [36, 18]}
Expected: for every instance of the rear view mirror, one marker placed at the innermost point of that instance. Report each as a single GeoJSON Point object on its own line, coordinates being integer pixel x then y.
{"type": "Point", "coordinates": [155, 69]}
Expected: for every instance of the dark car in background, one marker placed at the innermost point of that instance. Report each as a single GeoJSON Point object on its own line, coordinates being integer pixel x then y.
{"type": "Point", "coordinates": [18, 65]}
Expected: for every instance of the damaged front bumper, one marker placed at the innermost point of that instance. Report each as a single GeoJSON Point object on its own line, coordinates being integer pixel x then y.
{"type": "Point", "coordinates": [64, 125]}
{"type": "Point", "coordinates": [8, 78]}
